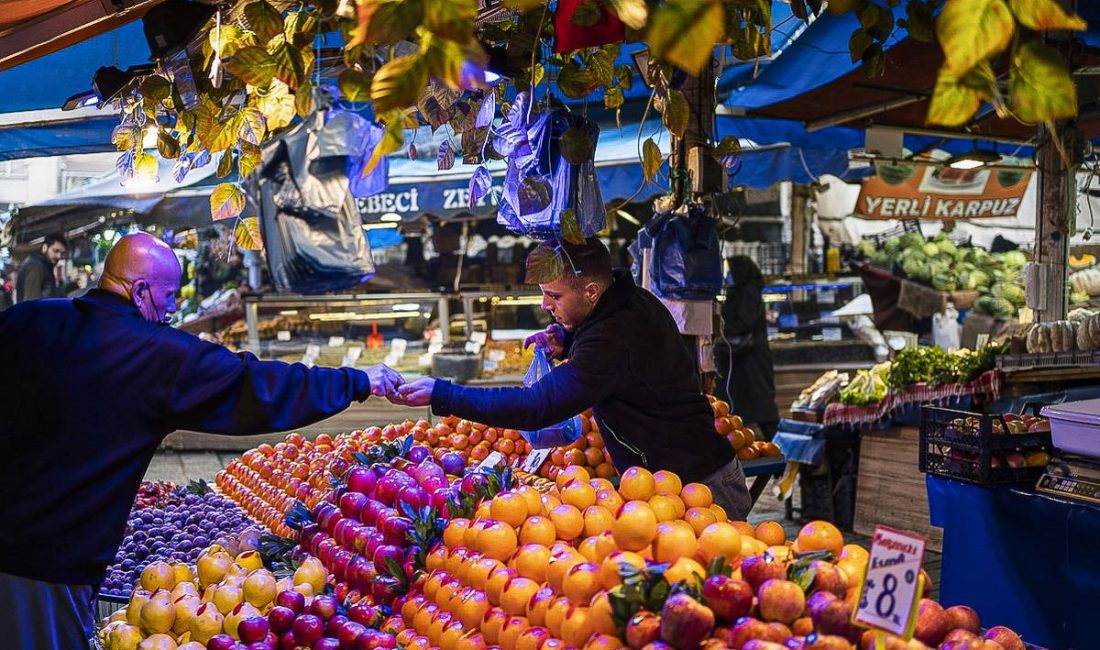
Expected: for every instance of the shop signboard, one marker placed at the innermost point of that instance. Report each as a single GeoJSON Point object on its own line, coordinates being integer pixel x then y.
{"type": "Point", "coordinates": [919, 190]}
{"type": "Point", "coordinates": [891, 587]}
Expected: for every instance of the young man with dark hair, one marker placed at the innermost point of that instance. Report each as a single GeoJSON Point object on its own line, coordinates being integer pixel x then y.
{"type": "Point", "coordinates": [626, 361]}
{"type": "Point", "coordinates": [36, 276]}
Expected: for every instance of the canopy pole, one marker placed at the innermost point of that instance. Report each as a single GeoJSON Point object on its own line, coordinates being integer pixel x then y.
{"type": "Point", "coordinates": [1059, 154]}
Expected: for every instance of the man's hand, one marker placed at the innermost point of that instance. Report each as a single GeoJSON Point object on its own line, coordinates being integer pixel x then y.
{"type": "Point", "coordinates": [415, 393]}
{"type": "Point", "coordinates": [552, 340]}
{"type": "Point", "coordinates": [384, 380]}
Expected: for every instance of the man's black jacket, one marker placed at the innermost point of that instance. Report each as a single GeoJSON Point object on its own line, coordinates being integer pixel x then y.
{"type": "Point", "coordinates": [88, 391]}
{"type": "Point", "coordinates": [35, 279]}
{"type": "Point", "coordinates": [628, 363]}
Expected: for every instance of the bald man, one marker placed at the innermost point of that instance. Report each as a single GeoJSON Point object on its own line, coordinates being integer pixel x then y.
{"type": "Point", "coordinates": [92, 385]}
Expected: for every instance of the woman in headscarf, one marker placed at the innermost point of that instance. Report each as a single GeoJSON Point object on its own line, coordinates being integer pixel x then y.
{"type": "Point", "coordinates": [746, 377]}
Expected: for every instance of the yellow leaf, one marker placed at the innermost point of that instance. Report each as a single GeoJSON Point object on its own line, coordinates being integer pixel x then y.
{"type": "Point", "coordinates": [952, 104]}
{"type": "Point", "coordinates": [398, 83]}
{"type": "Point", "coordinates": [524, 5]}
{"type": "Point", "coordinates": [226, 202]}
{"type": "Point", "coordinates": [392, 140]}
{"type": "Point", "coordinates": [683, 32]}
{"type": "Point", "coordinates": [651, 159]}
{"type": "Point", "coordinates": [1040, 87]}
{"type": "Point", "coordinates": [247, 234]}
{"type": "Point", "coordinates": [1045, 14]}
{"type": "Point", "coordinates": [971, 31]}
{"type": "Point", "coordinates": [277, 105]}
{"type": "Point", "coordinates": [633, 13]}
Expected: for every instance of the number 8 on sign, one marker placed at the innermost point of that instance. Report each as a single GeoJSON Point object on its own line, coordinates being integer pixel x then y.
{"type": "Point", "coordinates": [891, 587]}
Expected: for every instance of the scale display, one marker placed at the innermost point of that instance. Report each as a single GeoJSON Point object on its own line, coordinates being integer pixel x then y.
{"type": "Point", "coordinates": [1072, 477]}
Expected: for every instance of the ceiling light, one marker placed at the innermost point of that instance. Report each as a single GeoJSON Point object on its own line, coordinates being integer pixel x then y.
{"type": "Point", "coordinates": [972, 159]}
{"type": "Point", "coordinates": [390, 217]}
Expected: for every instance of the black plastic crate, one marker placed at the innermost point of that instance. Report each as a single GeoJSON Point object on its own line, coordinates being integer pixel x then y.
{"type": "Point", "coordinates": [962, 445]}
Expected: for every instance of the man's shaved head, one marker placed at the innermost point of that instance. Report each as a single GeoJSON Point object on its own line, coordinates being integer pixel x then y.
{"type": "Point", "coordinates": [145, 271]}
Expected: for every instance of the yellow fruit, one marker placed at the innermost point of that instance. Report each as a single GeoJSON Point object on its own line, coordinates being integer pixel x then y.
{"type": "Point", "coordinates": [745, 528]}
{"type": "Point", "coordinates": [454, 533]}
{"type": "Point", "coordinates": [555, 615]}
{"type": "Point", "coordinates": [577, 627]}
{"type": "Point", "coordinates": [637, 484]}
{"type": "Point", "coordinates": [683, 570]}
{"type": "Point", "coordinates": [635, 527]}
{"type": "Point", "coordinates": [696, 495]}
{"type": "Point", "coordinates": [605, 545]}
{"type": "Point", "coordinates": [206, 623]}
{"type": "Point", "coordinates": [673, 542]}
{"type": "Point", "coordinates": [510, 508]}
{"type": "Point", "coordinates": [578, 494]}
{"type": "Point", "coordinates": [158, 575]}
{"type": "Point", "coordinates": [666, 482]}
{"type": "Point", "coordinates": [250, 561]}
{"type": "Point", "coordinates": [854, 552]}
{"type": "Point", "coordinates": [538, 530]}
{"type": "Point", "coordinates": [597, 521]}
{"type": "Point", "coordinates": [602, 619]}
{"type": "Point", "coordinates": [158, 642]}
{"type": "Point", "coordinates": [158, 614]}
{"type": "Point", "coordinates": [125, 637]}
{"type": "Point", "coordinates": [212, 567]}
{"type": "Point", "coordinates": [497, 540]}
{"type": "Point", "coordinates": [185, 607]}
{"type": "Point", "coordinates": [311, 572]}
{"type": "Point", "coordinates": [568, 522]}
{"type": "Point", "coordinates": [479, 573]}
{"type": "Point", "coordinates": [138, 598]}
{"type": "Point", "coordinates": [531, 560]}
{"type": "Point", "coordinates": [771, 533]}
{"type": "Point", "coordinates": [227, 597]}
{"type": "Point", "coordinates": [665, 507]}
{"type": "Point", "coordinates": [184, 589]}
{"type": "Point", "coordinates": [719, 512]}
{"type": "Point", "coordinates": [581, 582]}
{"type": "Point", "coordinates": [259, 588]}
{"type": "Point", "coordinates": [700, 518]}
{"type": "Point", "coordinates": [572, 473]}
{"type": "Point", "coordinates": [234, 618]}
{"type": "Point", "coordinates": [613, 565]}
{"type": "Point", "coordinates": [719, 539]}
{"type": "Point", "coordinates": [820, 536]}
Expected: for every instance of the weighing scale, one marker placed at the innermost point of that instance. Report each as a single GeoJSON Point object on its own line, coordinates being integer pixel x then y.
{"type": "Point", "coordinates": [1074, 471]}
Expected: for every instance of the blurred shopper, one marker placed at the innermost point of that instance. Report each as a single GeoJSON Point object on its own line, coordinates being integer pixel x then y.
{"type": "Point", "coordinates": [626, 361]}
{"type": "Point", "coordinates": [37, 276]}
{"type": "Point", "coordinates": [95, 384]}
{"type": "Point", "coordinates": [746, 378]}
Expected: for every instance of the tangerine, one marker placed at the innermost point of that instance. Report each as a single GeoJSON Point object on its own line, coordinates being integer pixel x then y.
{"type": "Point", "coordinates": [494, 586]}
{"type": "Point", "coordinates": [478, 574]}
{"type": "Point", "coordinates": [605, 469]}
{"type": "Point", "coordinates": [577, 627]}
{"type": "Point", "coordinates": [568, 522]}
{"type": "Point", "coordinates": [516, 594]}
{"type": "Point", "coordinates": [539, 605]}
{"type": "Point", "coordinates": [719, 512]}
{"type": "Point", "coordinates": [533, 499]}
{"type": "Point", "coordinates": [587, 548]}
{"type": "Point", "coordinates": [635, 527]}
{"type": "Point", "coordinates": [820, 535]}
{"type": "Point", "coordinates": [666, 482]}
{"type": "Point", "coordinates": [719, 540]}
{"type": "Point", "coordinates": [530, 561]}
{"type": "Point", "coordinates": [560, 564]}
{"type": "Point", "coordinates": [581, 582]}
{"type": "Point", "coordinates": [497, 540]}
{"type": "Point", "coordinates": [696, 495]}
{"type": "Point", "coordinates": [745, 528]}
{"type": "Point", "coordinates": [597, 520]}
{"type": "Point", "coordinates": [510, 508]}
{"type": "Point", "coordinates": [700, 518]}
{"type": "Point", "coordinates": [454, 533]}
{"type": "Point", "coordinates": [603, 621]}
{"type": "Point", "coordinates": [673, 542]}
{"type": "Point", "coordinates": [637, 484]}
{"type": "Point", "coordinates": [537, 530]}
{"type": "Point", "coordinates": [770, 532]}
{"type": "Point", "coordinates": [609, 498]}
{"type": "Point", "coordinates": [555, 616]}
{"type": "Point", "coordinates": [572, 473]}
{"type": "Point", "coordinates": [578, 494]}
{"type": "Point", "coordinates": [593, 456]}
{"type": "Point", "coordinates": [615, 563]}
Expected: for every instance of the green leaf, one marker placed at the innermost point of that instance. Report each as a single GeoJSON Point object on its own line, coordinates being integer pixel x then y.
{"type": "Point", "coordinates": [253, 65]}
{"type": "Point", "coordinates": [524, 5]}
{"type": "Point", "coordinates": [682, 32]}
{"type": "Point", "coordinates": [625, 75]}
{"type": "Point", "coordinates": [451, 19]}
{"type": "Point", "coordinates": [1040, 87]}
{"type": "Point", "coordinates": [225, 164]}
{"type": "Point", "coordinates": [277, 105]}
{"type": "Point", "coordinates": [633, 13]}
{"type": "Point", "coordinates": [398, 83]}
{"type": "Point", "coordinates": [570, 229]}
{"type": "Point", "coordinates": [576, 82]}
{"type": "Point", "coordinates": [226, 202]}
{"type": "Point", "coordinates": [303, 100]}
{"type": "Point", "coordinates": [544, 265]}
{"type": "Point", "coordinates": [354, 85]}
{"type": "Point", "coordinates": [576, 146]}
{"type": "Point", "coordinates": [167, 146]}
{"type": "Point", "coordinates": [602, 65]}
{"type": "Point", "coordinates": [651, 159]}
{"type": "Point", "coordinates": [247, 234]}
{"type": "Point", "coordinates": [264, 20]}
{"type": "Point", "coordinates": [614, 97]}
{"type": "Point", "coordinates": [729, 146]}
{"type": "Point", "coordinates": [971, 31]}
{"type": "Point", "coordinates": [919, 22]}
{"type": "Point", "coordinates": [387, 21]}
{"type": "Point", "coordinates": [1045, 14]}
{"type": "Point", "coordinates": [874, 61]}
{"type": "Point", "coordinates": [155, 87]}
{"type": "Point", "coordinates": [253, 125]}
{"type": "Point", "coordinates": [586, 14]}
{"type": "Point", "coordinates": [868, 15]}
{"type": "Point", "coordinates": [858, 44]}
{"type": "Point", "coordinates": [676, 113]}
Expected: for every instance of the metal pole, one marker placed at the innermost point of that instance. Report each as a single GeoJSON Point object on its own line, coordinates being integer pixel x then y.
{"type": "Point", "coordinates": [251, 319]}
{"type": "Point", "coordinates": [444, 319]}
{"type": "Point", "coordinates": [1056, 211]}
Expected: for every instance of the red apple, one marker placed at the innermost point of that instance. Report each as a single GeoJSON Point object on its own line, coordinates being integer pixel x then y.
{"type": "Point", "coordinates": [932, 624]}
{"type": "Point", "coordinates": [685, 622]}
{"type": "Point", "coordinates": [327, 643]}
{"type": "Point", "coordinates": [323, 606]}
{"type": "Point", "coordinates": [758, 569]}
{"type": "Point", "coordinates": [361, 479]}
{"type": "Point", "coordinates": [1006, 637]}
{"type": "Point", "coordinates": [746, 629]}
{"type": "Point", "coordinates": [308, 628]}
{"type": "Point", "coordinates": [730, 599]}
{"type": "Point", "coordinates": [835, 618]}
{"type": "Point", "coordinates": [827, 578]}
{"type": "Point", "coordinates": [334, 624]}
{"type": "Point", "coordinates": [780, 600]}
{"type": "Point", "coordinates": [280, 618]}
{"type": "Point", "coordinates": [221, 642]}
{"type": "Point", "coordinates": [252, 629]}
{"type": "Point", "coordinates": [351, 503]}
{"type": "Point", "coordinates": [642, 629]}
{"type": "Point", "coordinates": [963, 617]}
{"type": "Point", "coordinates": [349, 634]}
{"type": "Point", "coordinates": [292, 600]}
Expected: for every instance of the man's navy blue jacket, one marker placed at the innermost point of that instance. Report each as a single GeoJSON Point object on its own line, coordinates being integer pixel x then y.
{"type": "Point", "coordinates": [628, 363]}
{"type": "Point", "coordinates": [87, 392]}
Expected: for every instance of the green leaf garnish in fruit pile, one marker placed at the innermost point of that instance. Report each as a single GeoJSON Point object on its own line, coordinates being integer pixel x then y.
{"type": "Point", "coordinates": [641, 589]}
{"type": "Point", "coordinates": [397, 572]}
{"type": "Point", "coordinates": [718, 566]}
{"type": "Point", "coordinates": [298, 516]}
{"type": "Point", "coordinates": [200, 487]}
{"type": "Point", "coordinates": [801, 570]}
{"type": "Point", "coordinates": [544, 265]}
{"type": "Point", "coordinates": [276, 552]}
{"type": "Point", "coordinates": [426, 532]}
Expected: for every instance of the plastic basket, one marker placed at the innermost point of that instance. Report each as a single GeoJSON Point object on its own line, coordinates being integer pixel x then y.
{"type": "Point", "coordinates": [961, 445]}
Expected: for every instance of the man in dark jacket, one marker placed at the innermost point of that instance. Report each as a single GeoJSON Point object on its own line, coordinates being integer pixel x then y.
{"type": "Point", "coordinates": [626, 361]}
{"type": "Point", "coordinates": [36, 277]}
{"type": "Point", "coordinates": [94, 384]}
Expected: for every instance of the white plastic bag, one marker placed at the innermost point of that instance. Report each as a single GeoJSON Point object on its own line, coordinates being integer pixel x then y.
{"type": "Point", "coordinates": [557, 435]}
{"type": "Point", "coordinates": [946, 330]}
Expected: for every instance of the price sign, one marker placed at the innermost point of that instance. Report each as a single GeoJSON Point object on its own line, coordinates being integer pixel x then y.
{"type": "Point", "coordinates": [889, 594]}
{"type": "Point", "coordinates": [351, 356]}
{"type": "Point", "coordinates": [335, 341]}
{"type": "Point", "coordinates": [534, 460]}
{"type": "Point", "coordinates": [492, 460]}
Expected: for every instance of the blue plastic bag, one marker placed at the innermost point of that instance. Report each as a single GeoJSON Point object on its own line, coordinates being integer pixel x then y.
{"type": "Point", "coordinates": [686, 258]}
{"type": "Point", "coordinates": [560, 434]}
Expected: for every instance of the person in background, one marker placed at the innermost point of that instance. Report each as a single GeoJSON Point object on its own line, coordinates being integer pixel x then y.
{"type": "Point", "coordinates": [746, 378]}
{"type": "Point", "coordinates": [94, 385]}
{"type": "Point", "coordinates": [37, 277]}
{"type": "Point", "coordinates": [626, 361]}
{"type": "Point", "coordinates": [7, 286]}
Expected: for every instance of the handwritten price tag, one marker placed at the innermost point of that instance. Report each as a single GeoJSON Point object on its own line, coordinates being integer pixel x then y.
{"type": "Point", "coordinates": [492, 460]}
{"type": "Point", "coordinates": [534, 460]}
{"type": "Point", "coordinates": [889, 594]}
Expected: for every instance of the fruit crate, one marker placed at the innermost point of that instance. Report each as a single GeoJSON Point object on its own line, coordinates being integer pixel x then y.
{"type": "Point", "coordinates": [963, 445]}
{"type": "Point", "coordinates": [1048, 360]}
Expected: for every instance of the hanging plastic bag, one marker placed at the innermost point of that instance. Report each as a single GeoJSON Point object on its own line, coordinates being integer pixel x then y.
{"type": "Point", "coordinates": [686, 262]}
{"type": "Point", "coordinates": [557, 435]}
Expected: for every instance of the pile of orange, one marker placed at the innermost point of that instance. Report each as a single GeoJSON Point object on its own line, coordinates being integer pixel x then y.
{"type": "Point", "coordinates": [588, 451]}
{"type": "Point", "coordinates": [473, 441]}
{"type": "Point", "coordinates": [740, 436]}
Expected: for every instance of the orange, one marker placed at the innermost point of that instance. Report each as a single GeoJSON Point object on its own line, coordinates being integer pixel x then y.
{"type": "Point", "coordinates": [719, 512]}
{"type": "Point", "coordinates": [456, 560]}
{"type": "Point", "coordinates": [511, 631]}
{"type": "Point", "coordinates": [609, 498]}
{"type": "Point", "coordinates": [549, 502]}
{"type": "Point", "coordinates": [684, 570]}
{"type": "Point", "coordinates": [854, 552]}
{"type": "Point", "coordinates": [722, 426]}
{"type": "Point", "coordinates": [574, 457]}
{"type": "Point", "coordinates": [666, 482]}
{"type": "Point", "coordinates": [593, 456]}
{"type": "Point", "coordinates": [472, 642]}
{"type": "Point", "coordinates": [664, 507]}
{"type": "Point", "coordinates": [424, 617]}
{"type": "Point", "coordinates": [612, 566]}
{"type": "Point", "coordinates": [605, 469]}
{"type": "Point", "coordinates": [472, 608]}
{"type": "Point", "coordinates": [673, 542]}
{"type": "Point", "coordinates": [537, 530]}
{"type": "Point", "coordinates": [597, 521]}
{"type": "Point", "coordinates": [577, 627]}
{"type": "Point", "coordinates": [437, 557]}
{"type": "Point", "coordinates": [852, 570]}
{"type": "Point", "coordinates": [568, 522]}
{"type": "Point", "coordinates": [492, 624]}
{"type": "Point", "coordinates": [737, 439]}
{"type": "Point", "coordinates": [700, 518]}
{"type": "Point", "coordinates": [605, 545]}
{"type": "Point", "coordinates": [555, 616]}
{"type": "Point", "coordinates": [602, 619]}
{"type": "Point", "coordinates": [820, 535]}
{"type": "Point", "coordinates": [751, 546]}
{"type": "Point", "coordinates": [509, 508]}
{"type": "Point", "coordinates": [745, 528]}
{"type": "Point", "coordinates": [453, 534]}
{"type": "Point", "coordinates": [573, 473]}
{"type": "Point", "coordinates": [530, 561]}
{"type": "Point", "coordinates": [434, 581]}
{"type": "Point", "coordinates": [532, 638]}
{"type": "Point", "coordinates": [721, 409]}
{"type": "Point", "coordinates": [637, 484]}
{"type": "Point", "coordinates": [696, 495]}
{"type": "Point", "coordinates": [578, 494]}
{"type": "Point", "coordinates": [781, 553]}
{"type": "Point", "coordinates": [497, 540]}
{"type": "Point", "coordinates": [581, 582]}
{"type": "Point", "coordinates": [587, 548]}
{"type": "Point", "coordinates": [557, 457]}
{"type": "Point", "coordinates": [747, 453]}
{"type": "Point", "coordinates": [600, 484]}
{"type": "Point", "coordinates": [719, 540]}
{"type": "Point", "coordinates": [532, 497]}
{"type": "Point", "coordinates": [560, 564]}
{"type": "Point", "coordinates": [478, 574]}
{"type": "Point", "coordinates": [516, 594]}
{"type": "Point", "coordinates": [771, 533]}
{"type": "Point", "coordinates": [635, 527]}
{"type": "Point", "coordinates": [539, 605]}
{"type": "Point", "coordinates": [419, 643]}
{"type": "Point", "coordinates": [494, 586]}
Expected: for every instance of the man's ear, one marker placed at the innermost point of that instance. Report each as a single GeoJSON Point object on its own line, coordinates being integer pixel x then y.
{"type": "Point", "coordinates": [138, 290]}
{"type": "Point", "coordinates": [592, 292]}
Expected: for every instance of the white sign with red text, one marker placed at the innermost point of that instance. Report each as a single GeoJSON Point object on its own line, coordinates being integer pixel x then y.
{"type": "Point", "coordinates": [890, 592]}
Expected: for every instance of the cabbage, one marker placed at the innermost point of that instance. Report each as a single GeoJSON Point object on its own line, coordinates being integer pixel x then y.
{"type": "Point", "coordinates": [867, 249]}
{"type": "Point", "coordinates": [912, 240]}
{"type": "Point", "coordinates": [1077, 297]}
{"type": "Point", "coordinates": [998, 308]}
{"type": "Point", "coordinates": [931, 250]}
{"type": "Point", "coordinates": [1014, 259]}
{"type": "Point", "coordinates": [892, 246]}
{"type": "Point", "coordinates": [1013, 293]}
{"type": "Point", "coordinates": [977, 279]}
{"type": "Point", "coordinates": [944, 281]}
{"type": "Point", "coordinates": [947, 247]}
{"type": "Point", "coordinates": [881, 259]}
{"type": "Point", "coordinates": [912, 267]}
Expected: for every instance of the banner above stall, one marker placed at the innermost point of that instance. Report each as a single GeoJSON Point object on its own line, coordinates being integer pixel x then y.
{"type": "Point", "coordinates": [923, 191]}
